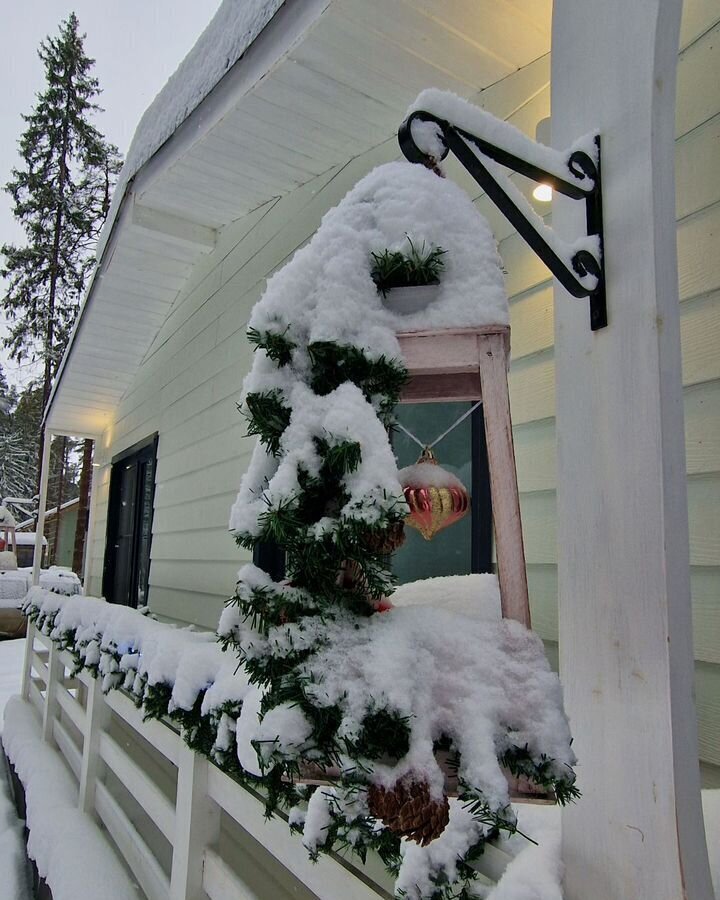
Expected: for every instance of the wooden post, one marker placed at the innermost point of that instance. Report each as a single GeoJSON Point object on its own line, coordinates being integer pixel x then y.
{"type": "Point", "coordinates": [512, 574]}
{"type": "Point", "coordinates": [470, 364]}
{"type": "Point", "coordinates": [197, 825]}
{"type": "Point", "coordinates": [97, 718]}
{"type": "Point", "coordinates": [623, 566]}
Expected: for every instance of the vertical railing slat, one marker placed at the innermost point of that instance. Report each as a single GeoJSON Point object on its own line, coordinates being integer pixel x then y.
{"type": "Point", "coordinates": [97, 717]}
{"type": "Point", "coordinates": [197, 826]}
{"type": "Point", "coordinates": [27, 660]}
{"type": "Point", "coordinates": [50, 709]}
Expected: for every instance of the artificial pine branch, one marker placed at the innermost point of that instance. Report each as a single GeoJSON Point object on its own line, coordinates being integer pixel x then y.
{"type": "Point", "coordinates": [278, 347]}
{"type": "Point", "coordinates": [268, 418]}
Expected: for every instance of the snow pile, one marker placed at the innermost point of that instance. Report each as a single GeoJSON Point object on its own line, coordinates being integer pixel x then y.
{"type": "Point", "coordinates": [127, 649]}
{"type": "Point", "coordinates": [12, 842]}
{"type": "Point", "coordinates": [422, 475]}
{"type": "Point", "coordinates": [486, 683]}
{"type": "Point", "coordinates": [69, 849]}
{"type": "Point", "coordinates": [326, 293]}
{"type": "Point", "coordinates": [13, 865]}
{"type": "Point", "coordinates": [477, 596]}
{"type": "Point", "coordinates": [60, 580]}
{"type": "Point", "coordinates": [468, 117]}
{"type": "Point", "coordinates": [14, 585]}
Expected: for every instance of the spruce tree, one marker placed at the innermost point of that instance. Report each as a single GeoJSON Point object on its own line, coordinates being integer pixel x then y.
{"type": "Point", "coordinates": [61, 196]}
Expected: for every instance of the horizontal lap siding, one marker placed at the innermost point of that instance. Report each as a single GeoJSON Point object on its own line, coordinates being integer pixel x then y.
{"type": "Point", "coordinates": [187, 389]}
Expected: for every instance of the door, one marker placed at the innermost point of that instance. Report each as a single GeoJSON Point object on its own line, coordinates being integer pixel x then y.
{"type": "Point", "coordinates": [129, 531]}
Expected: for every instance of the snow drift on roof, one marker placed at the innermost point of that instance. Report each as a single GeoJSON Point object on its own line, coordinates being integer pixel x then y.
{"type": "Point", "coordinates": [234, 27]}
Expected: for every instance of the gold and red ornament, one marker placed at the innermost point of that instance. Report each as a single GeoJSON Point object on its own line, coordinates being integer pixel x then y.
{"type": "Point", "coordinates": [409, 810]}
{"type": "Point", "coordinates": [436, 497]}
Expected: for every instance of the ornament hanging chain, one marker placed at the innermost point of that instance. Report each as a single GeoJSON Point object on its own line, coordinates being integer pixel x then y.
{"type": "Point", "coordinates": [445, 433]}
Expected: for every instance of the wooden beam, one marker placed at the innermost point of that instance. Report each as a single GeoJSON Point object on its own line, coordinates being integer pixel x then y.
{"type": "Point", "coordinates": [623, 567]}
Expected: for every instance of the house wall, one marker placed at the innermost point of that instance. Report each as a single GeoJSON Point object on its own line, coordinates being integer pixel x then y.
{"type": "Point", "coordinates": [188, 384]}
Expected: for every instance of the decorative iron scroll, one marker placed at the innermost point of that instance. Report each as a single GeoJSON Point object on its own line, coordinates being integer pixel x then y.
{"type": "Point", "coordinates": [580, 165]}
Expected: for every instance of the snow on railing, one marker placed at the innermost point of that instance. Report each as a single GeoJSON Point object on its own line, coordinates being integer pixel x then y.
{"type": "Point", "coordinates": [173, 815]}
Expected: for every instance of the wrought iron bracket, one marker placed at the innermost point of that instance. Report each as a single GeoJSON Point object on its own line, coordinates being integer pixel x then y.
{"type": "Point", "coordinates": [585, 186]}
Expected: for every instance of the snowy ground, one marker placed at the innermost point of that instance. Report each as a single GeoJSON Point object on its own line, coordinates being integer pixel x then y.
{"type": "Point", "coordinates": [12, 844]}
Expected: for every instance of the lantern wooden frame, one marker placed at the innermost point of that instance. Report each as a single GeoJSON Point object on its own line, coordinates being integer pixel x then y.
{"type": "Point", "coordinates": [471, 364]}
{"type": "Point", "coordinates": [456, 364]}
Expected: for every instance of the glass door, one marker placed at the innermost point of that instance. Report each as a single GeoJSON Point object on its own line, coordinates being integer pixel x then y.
{"type": "Point", "coordinates": [129, 532]}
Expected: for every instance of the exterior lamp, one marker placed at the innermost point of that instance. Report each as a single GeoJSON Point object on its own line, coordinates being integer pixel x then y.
{"type": "Point", "coordinates": [441, 123]}
{"type": "Point", "coordinates": [543, 193]}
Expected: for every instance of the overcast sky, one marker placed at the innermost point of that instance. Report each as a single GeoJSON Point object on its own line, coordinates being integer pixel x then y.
{"type": "Point", "coordinates": [137, 45]}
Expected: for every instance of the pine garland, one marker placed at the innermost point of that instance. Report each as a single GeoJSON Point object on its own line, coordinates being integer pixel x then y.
{"type": "Point", "coordinates": [351, 827]}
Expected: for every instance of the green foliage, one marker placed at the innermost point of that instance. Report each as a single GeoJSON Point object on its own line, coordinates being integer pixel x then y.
{"type": "Point", "coordinates": [381, 380]}
{"type": "Point", "coordinates": [268, 417]}
{"type": "Point", "coordinates": [383, 733]}
{"type": "Point", "coordinates": [543, 772]}
{"type": "Point", "coordinates": [417, 267]}
{"type": "Point", "coordinates": [278, 347]}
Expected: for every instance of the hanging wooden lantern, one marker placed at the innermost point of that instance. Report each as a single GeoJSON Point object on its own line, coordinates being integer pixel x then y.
{"type": "Point", "coordinates": [436, 497]}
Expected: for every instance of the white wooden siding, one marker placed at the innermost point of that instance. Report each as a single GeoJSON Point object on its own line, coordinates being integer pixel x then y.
{"type": "Point", "coordinates": [188, 383]}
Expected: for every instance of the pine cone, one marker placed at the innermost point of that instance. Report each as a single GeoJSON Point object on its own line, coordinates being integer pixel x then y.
{"type": "Point", "coordinates": [408, 809]}
{"type": "Point", "coordinates": [387, 541]}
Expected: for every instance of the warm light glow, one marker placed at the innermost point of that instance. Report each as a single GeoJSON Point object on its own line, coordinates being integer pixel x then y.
{"type": "Point", "coordinates": [543, 193]}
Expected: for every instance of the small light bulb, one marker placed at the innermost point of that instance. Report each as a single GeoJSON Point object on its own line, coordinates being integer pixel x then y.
{"type": "Point", "coordinates": [543, 193]}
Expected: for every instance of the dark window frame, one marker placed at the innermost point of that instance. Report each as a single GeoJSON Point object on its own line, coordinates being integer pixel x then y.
{"type": "Point", "coordinates": [138, 452]}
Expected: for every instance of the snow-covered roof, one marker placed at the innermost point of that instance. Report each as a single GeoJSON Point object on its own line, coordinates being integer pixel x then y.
{"type": "Point", "coordinates": [273, 95]}
{"type": "Point", "coordinates": [233, 28]}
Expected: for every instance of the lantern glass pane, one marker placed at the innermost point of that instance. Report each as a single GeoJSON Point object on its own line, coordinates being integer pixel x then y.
{"type": "Point", "coordinates": [449, 552]}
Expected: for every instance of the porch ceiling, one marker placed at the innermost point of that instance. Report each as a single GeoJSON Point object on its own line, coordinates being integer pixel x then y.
{"type": "Point", "coordinates": [309, 94]}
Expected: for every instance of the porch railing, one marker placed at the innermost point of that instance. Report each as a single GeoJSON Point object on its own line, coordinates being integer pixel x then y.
{"type": "Point", "coordinates": [186, 830]}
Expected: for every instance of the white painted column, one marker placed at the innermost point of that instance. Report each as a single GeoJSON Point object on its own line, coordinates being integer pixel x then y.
{"type": "Point", "coordinates": [27, 661]}
{"type": "Point", "coordinates": [197, 825]}
{"type": "Point", "coordinates": [50, 710]}
{"type": "Point", "coordinates": [94, 494]}
{"type": "Point", "coordinates": [40, 527]}
{"type": "Point", "coordinates": [623, 564]}
{"type": "Point", "coordinates": [97, 718]}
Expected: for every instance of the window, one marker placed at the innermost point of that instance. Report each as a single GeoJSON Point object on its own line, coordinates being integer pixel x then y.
{"type": "Point", "coordinates": [129, 528]}
{"type": "Point", "coordinates": [463, 547]}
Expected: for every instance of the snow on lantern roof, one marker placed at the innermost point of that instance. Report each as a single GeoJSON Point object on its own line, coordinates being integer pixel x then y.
{"type": "Point", "coordinates": [326, 293]}
{"type": "Point", "coordinates": [338, 299]}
